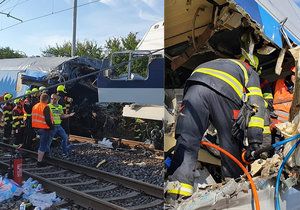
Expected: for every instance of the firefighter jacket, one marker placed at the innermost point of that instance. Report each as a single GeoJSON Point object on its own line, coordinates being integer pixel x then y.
{"type": "Point", "coordinates": [7, 113]}
{"type": "Point", "coordinates": [268, 100]}
{"type": "Point", "coordinates": [28, 104]}
{"type": "Point", "coordinates": [234, 80]}
{"type": "Point", "coordinates": [18, 118]}
{"type": "Point", "coordinates": [65, 101]}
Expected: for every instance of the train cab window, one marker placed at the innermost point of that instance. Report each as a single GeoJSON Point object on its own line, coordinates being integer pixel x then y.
{"type": "Point", "coordinates": [136, 67]}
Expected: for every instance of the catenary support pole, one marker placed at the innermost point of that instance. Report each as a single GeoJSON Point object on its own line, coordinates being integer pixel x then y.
{"type": "Point", "coordinates": [73, 50]}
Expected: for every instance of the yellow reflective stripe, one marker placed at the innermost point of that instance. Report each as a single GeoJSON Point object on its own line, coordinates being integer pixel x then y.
{"type": "Point", "coordinates": [180, 192]}
{"type": "Point", "coordinates": [256, 122]}
{"type": "Point", "coordinates": [254, 91]}
{"type": "Point", "coordinates": [268, 96]}
{"type": "Point", "coordinates": [229, 79]}
{"type": "Point", "coordinates": [7, 112]}
{"type": "Point", "coordinates": [266, 104]}
{"type": "Point", "coordinates": [244, 70]}
{"type": "Point", "coordinates": [38, 115]}
{"type": "Point", "coordinates": [267, 130]}
{"type": "Point", "coordinates": [183, 189]}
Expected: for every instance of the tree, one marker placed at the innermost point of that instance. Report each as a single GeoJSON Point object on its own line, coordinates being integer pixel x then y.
{"type": "Point", "coordinates": [7, 52]}
{"type": "Point", "coordinates": [86, 48]}
{"type": "Point", "coordinates": [112, 45]}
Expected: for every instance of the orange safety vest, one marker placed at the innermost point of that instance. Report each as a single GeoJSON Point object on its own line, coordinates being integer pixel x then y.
{"type": "Point", "coordinates": [282, 100]}
{"type": "Point", "coordinates": [38, 118]}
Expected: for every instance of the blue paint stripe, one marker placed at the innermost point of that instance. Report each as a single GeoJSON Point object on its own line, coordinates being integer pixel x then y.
{"type": "Point", "coordinates": [269, 25]}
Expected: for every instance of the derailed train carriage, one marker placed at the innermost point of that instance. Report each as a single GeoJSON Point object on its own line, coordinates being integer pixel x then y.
{"type": "Point", "coordinates": [200, 31]}
{"type": "Point", "coordinates": [111, 103]}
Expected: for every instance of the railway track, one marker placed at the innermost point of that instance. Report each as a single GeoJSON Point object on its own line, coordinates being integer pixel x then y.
{"type": "Point", "coordinates": [87, 186]}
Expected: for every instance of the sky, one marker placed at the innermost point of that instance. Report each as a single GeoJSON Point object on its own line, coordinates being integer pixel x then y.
{"type": "Point", "coordinates": [96, 21]}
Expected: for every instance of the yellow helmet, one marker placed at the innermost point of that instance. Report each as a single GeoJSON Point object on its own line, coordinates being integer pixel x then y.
{"type": "Point", "coordinates": [17, 100]}
{"type": "Point", "coordinates": [42, 88]}
{"type": "Point", "coordinates": [7, 96]}
{"type": "Point", "coordinates": [253, 60]}
{"type": "Point", "coordinates": [27, 91]}
{"type": "Point", "coordinates": [61, 88]}
{"type": "Point", "coordinates": [34, 90]}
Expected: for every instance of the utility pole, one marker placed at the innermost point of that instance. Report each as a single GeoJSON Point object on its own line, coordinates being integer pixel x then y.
{"type": "Point", "coordinates": [73, 50]}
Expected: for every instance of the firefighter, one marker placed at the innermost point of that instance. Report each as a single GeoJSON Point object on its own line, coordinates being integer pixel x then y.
{"type": "Point", "coordinates": [58, 115]}
{"type": "Point", "coordinates": [42, 120]}
{"type": "Point", "coordinates": [18, 125]}
{"type": "Point", "coordinates": [7, 117]}
{"type": "Point", "coordinates": [29, 133]}
{"type": "Point", "coordinates": [66, 102]}
{"type": "Point", "coordinates": [269, 112]}
{"type": "Point", "coordinates": [216, 92]}
{"type": "Point", "coordinates": [35, 95]}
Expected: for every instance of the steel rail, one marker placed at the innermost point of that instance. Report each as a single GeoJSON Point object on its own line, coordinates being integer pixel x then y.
{"type": "Point", "coordinates": [78, 197]}
{"type": "Point", "coordinates": [147, 188]}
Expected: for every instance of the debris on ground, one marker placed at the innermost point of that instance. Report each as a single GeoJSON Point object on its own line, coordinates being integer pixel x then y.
{"type": "Point", "coordinates": [140, 164]}
{"type": "Point", "coordinates": [236, 193]}
{"type": "Point", "coordinates": [31, 193]}
{"type": "Point", "coordinates": [105, 143]}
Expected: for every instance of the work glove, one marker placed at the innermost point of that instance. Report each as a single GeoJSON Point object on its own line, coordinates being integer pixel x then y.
{"type": "Point", "coordinates": [250, 152]}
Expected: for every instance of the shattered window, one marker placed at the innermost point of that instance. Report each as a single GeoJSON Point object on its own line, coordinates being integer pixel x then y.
{"type": "Point", "coordinates": [136, 69]}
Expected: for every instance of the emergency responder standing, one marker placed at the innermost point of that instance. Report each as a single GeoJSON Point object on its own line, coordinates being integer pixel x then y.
{"type": "Point", "coordinates": [7, 117]}
{"type": "Point", "coordinates": [42, 120]}
{"type": "Point", "coordinates": [18, 122]}
{"type": "Point", "coordinates": [66, 102]}
{"type": "Point", "coordinates": [35, 95]}
{"type": "Point", "coordinates": [29, 133]}
{"type": "Point", "coordinates": [58, 115]}
{"type": "Point", "coordinates": [215, 93]}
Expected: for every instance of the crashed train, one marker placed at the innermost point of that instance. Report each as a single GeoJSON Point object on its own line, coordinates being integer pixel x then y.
{"type": "Point", "coordinates": [107, 104]}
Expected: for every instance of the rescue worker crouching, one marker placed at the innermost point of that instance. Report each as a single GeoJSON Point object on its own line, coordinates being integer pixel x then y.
{"type": "Point", "coordinates": [42, 120]}
{"type": "Point", "coordinates": [58, 115]}
{"type": "Point", "coordinates": [213, 93]}
{"type": "Point", "coordinates": [7, 117]}
{"type": "Point", "coordinates": [18, 125]}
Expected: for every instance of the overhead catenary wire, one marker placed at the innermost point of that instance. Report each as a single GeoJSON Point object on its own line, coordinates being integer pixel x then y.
{"type": "Point", "coordinates": [97, 71]}
{"type": "Point", "coordinates": [8, 8]}
{"type": "Point", "coordinates": [48, 14]}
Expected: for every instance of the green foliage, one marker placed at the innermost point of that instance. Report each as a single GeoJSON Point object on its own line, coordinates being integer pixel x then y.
{"type": "Point", "coordinates": [112, 45]}
{"type": "Point", "coordinates": [7, 52]}
{"type": "Point", "coordinates": [86, 48]}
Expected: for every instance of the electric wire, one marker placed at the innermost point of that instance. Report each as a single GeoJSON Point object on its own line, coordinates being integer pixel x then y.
{"type": "Point", "coordinates": [48, 14]}
{"type": "Point", "coordinates": [97, 71]}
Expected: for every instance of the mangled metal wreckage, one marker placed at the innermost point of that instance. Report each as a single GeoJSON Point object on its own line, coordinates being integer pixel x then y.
{"type": "Point", "coordinates": [203, 30]}
{"type": "Point", "coordinates": [94, 117]}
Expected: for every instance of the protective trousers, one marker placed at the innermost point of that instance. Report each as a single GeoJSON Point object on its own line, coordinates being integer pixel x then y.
{"type": "Point", "coordinates": [7, 130]}
{"type": "Point", "coordinates": [202, 105]}
{"type": "Point", "coordinates": [29, 134]}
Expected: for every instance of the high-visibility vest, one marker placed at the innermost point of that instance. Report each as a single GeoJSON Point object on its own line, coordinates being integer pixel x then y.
{"type": "Point", "coordinates": [57, 111]}
{"type": "Point", "coordinates": [282, 100]}
{"type": "Point", "coordinates": [38, 118]}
